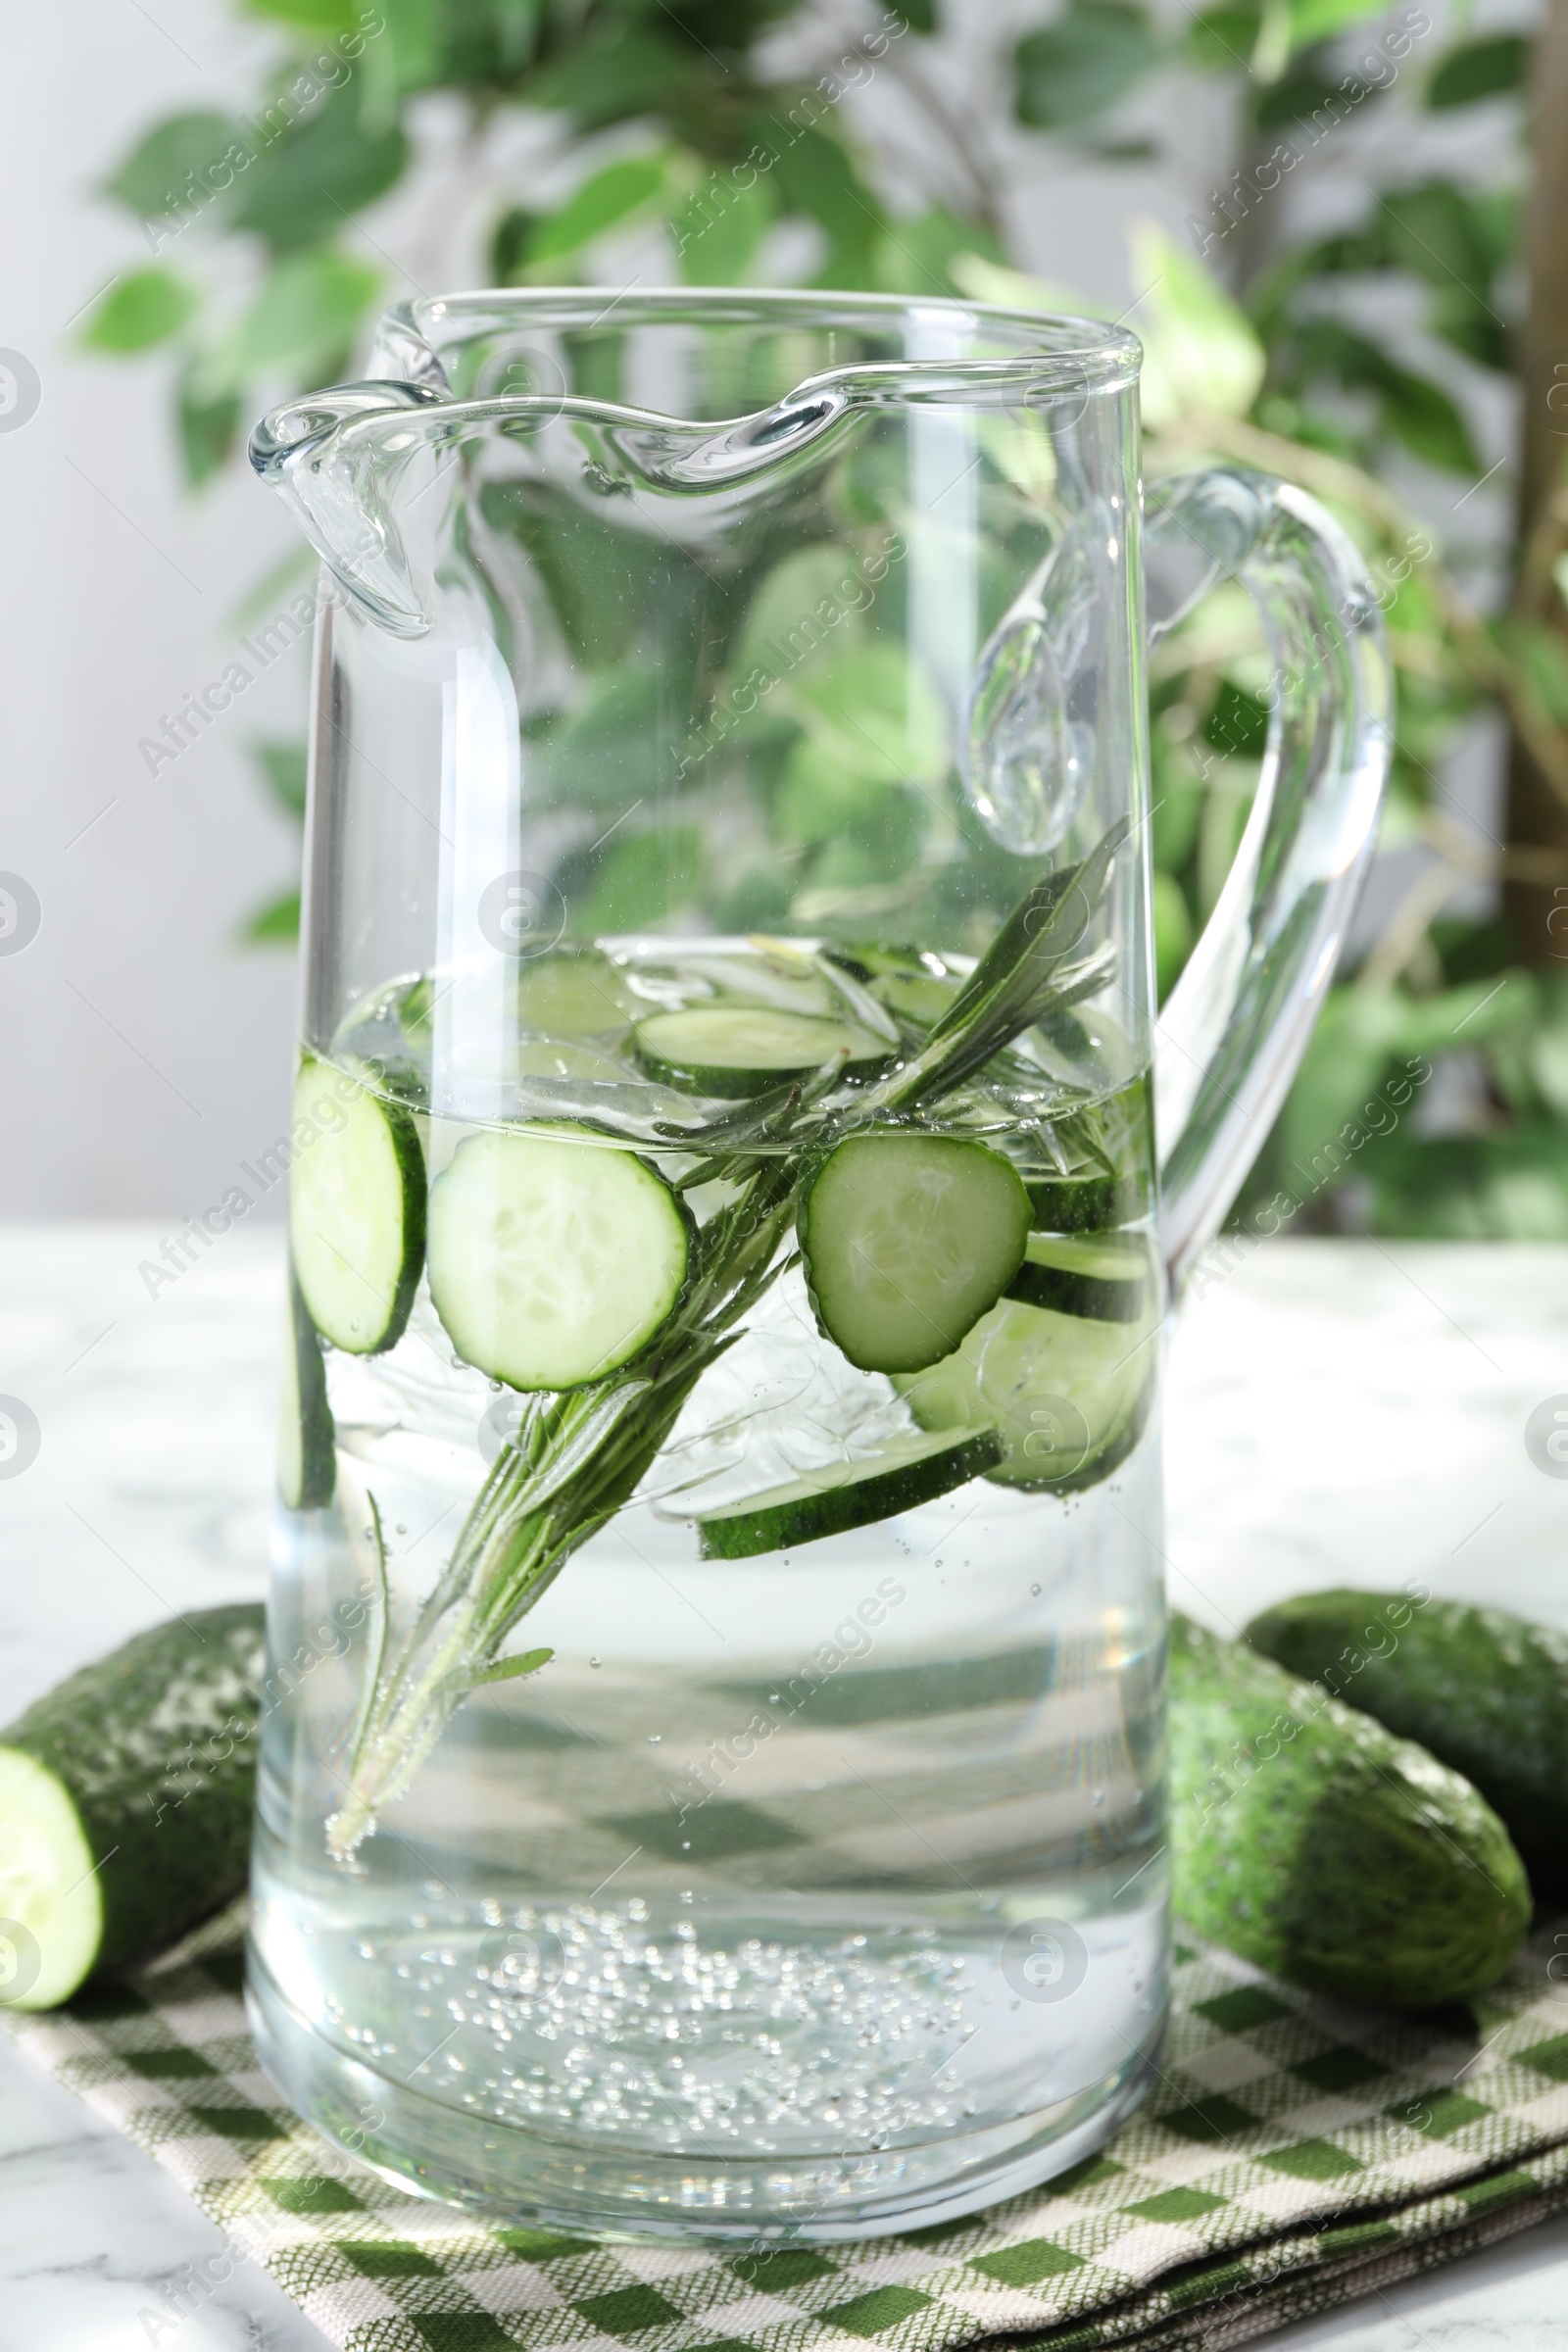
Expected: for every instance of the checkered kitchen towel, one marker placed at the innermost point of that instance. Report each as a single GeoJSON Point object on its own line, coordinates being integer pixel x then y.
{"type": "Point", "coordinates": [1296, 2153]}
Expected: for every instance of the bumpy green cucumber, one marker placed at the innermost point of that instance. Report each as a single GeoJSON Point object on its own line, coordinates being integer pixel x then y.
{"type": "Point", "coordinates": [125, 1800]}
{"type": "Point", "coordinates": [1484, 1691]}
{"type": "Point", "coordinates": [900, 1476]}
{"type": "Point", "coordinates": [306, 1440]}
{"type": "Point", "coordinates": [1310, 1841]}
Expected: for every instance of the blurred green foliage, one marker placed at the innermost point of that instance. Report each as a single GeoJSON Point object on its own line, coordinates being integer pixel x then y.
{"type": "Point", "coordinates": [1296, 355]}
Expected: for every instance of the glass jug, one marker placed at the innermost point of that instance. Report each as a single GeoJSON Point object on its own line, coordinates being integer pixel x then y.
{"type": "Point", "coordinates": [714, 1786]}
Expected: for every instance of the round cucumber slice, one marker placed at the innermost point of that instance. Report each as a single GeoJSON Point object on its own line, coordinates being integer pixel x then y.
{"type": "Point", "coordinates": [1080, 1203]}
{"type": "Point", "coordinates": [307, 1439]}
{"type": "Point", "coordinates": [48, 1888]}
{"type": "Point", "coordinates": [356, 1210]}
{"type": "Point", "coordinates": [574, 992]}
{"type": "Point", "coordinates": [1066, 1396]}
{"type": "Point", "coordinates": [899, 1477]}
{"type": "Point", "coordinates": [918, 995]}
{"type": "Point", "coordinates": [739, 1049]}
{"type": "Point", "coordinates": [1108, 1277]}
{"type": "Point", "coordinates": [908, 1239]}
{"type": "Point", "coordinates": [554, 1258]}
{"type": "Point", "coordinates": [563, 1057]}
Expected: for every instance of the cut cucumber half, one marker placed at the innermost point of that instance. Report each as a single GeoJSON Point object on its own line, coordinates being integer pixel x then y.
{"type": "Point", "coordinates": [1067, 1397]}
{"type": "Point", "coordinates": [1085, 1203]}
{"type": "Point", "coordinates": [54, 1926]}
{"type": "Point", "coordinates": [899, 1477]}
{"type": "Point", "coordinates": [1110, 1279]}
{"type": "Point", "coordinates": [126, 1801]}
{"type": "Point", "coordinates": [908, 1239]}
{"type": "Point", "coordinates": [307, 1441]}
{"type": "Point", "coordinates": [739, 1049]}
{"type": "Point", "coordinates": [554, 1258]}
{"type": "Point", "coordinates": [356, 1210]}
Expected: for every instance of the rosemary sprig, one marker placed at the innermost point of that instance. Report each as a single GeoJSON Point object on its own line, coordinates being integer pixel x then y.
{"type": "Point", "coordinates": [578, 1457]}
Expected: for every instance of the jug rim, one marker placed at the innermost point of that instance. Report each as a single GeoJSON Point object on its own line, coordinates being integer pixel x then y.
{"type": "Point", "coordinates": [341, 456]}
{"type": "Point", "coordinates": [1093, 354]}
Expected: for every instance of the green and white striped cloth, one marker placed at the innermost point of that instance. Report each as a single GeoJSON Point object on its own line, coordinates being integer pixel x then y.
{"type": "Point", "coordinates": [1297, 2152]}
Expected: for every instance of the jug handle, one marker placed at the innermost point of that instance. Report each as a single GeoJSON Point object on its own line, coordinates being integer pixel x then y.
{"type": "Point", "coordinates": [1234, 1027]}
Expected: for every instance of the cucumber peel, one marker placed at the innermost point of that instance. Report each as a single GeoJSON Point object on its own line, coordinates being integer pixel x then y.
{"type": "Point", "coordinates": [1310, 1841]}
{"type": "Point", "coordinates": [900, 1476]}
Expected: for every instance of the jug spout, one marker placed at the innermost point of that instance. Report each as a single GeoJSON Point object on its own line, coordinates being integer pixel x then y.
{"type": "Point", "coordinates": [340, 460]}
{"type": "Point", "coordinates": [340, 485]}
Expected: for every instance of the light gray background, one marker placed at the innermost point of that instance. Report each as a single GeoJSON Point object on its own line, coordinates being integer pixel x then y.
{"type": "Point", "coordinates": [144, 1054]}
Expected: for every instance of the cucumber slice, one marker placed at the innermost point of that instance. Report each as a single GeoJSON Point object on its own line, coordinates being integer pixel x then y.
{"type": "Point", "coordinates": [565, 1057]}
{"type": "Point", "coordinates": [906, 1240]}
{"type": "Point", "coordinates": [739, 1049]}
{"type": "Point", "coordinates": [126, 1801]}
{"type": "Point", "coordinates": [899, 1477]}
{"type": "Point", "coordinates": [356, 1210]}
{"type": "Point", "coordinates": [1067, 1397]}
{"type": "Point", "coordinates": [1107, 1278]}
{"type": "Point", "coordinates": [50, 1890]}
{"type": "Point", "coordinates": [918, 995]}
{"type": "Point", "coordinates": [1084, 1203]}
{"type": "Point", "coordinates": [307, 1441]}
{"type": "Point", "coordinates": [574, 992]}
{"type": "Point", "coordinates": [554, 1258]}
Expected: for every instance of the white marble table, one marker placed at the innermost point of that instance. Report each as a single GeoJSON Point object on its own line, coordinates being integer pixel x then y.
{"type": "Point", "coordinates": [1340, 1412]}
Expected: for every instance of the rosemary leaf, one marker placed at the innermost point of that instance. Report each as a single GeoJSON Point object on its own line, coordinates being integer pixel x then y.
{"type": "Point", "coordinates": [507, 1669]}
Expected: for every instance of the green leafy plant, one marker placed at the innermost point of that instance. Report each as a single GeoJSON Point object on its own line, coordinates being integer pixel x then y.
{"type": "Point", "coordinates": [1264, 346]}
{"type": "Point", "coordinates": [1269, 348]}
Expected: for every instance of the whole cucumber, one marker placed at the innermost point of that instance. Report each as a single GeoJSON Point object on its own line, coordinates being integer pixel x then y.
{"type": "Point", "coordinates": [1310, 1841]}
{"type": "Point", "coordinates": [1484, 1691]}
{"type": "Point", "coordinates": [126, 1801]}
